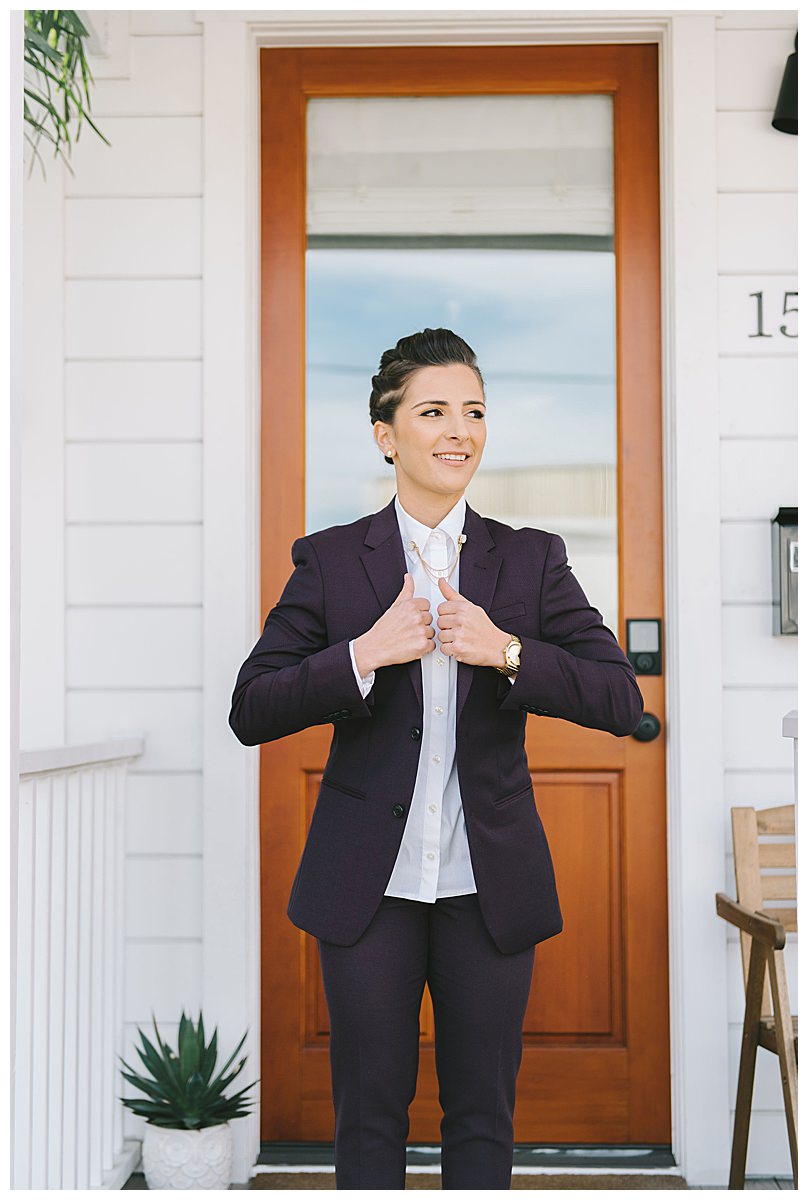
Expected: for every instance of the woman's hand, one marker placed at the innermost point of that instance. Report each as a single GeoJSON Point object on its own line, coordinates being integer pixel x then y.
{"type": "Point", "coordinates": [401, 634]}
{"type": "Point", "coordinates": [467, 632]}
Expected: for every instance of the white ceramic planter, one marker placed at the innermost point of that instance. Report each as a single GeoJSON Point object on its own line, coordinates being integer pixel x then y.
{"type": "Point", "coordinates": [187, 1158]}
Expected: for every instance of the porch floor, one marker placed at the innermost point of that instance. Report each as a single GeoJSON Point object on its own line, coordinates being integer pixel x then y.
{"type": "Point", "coordinates": [290, 1166]}
{"type": "Point", "coordinates": [295, 1167]}
{"type": "Point", "coordinates": [324, 1181]}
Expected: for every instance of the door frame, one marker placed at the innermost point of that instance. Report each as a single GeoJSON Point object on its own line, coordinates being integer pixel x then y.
{"type": "Point", "coordinates": [626, 75]}
{"type": "Point", "coordinates": [691, 529]}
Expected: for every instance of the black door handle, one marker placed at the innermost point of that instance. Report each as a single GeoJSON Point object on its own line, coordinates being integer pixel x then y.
{"type": "Point", "coordinates": [648, 728]}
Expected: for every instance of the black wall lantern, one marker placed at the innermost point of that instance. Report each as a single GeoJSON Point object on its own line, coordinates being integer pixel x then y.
{"type": "Point", "coordinates": [784, 571]}
{"type": "Point", "coordinates": [785, 114]}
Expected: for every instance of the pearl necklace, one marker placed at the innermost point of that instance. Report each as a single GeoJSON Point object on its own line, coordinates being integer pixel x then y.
{"type": "Point", "coordinates": [436, 573]}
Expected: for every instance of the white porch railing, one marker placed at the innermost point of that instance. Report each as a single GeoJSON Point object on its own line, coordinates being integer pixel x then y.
{"type": "Point", "coordinates": [67, 1123]}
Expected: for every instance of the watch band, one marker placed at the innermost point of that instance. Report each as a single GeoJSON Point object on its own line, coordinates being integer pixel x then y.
{"type": "Point", "coordinates": [511, 668]}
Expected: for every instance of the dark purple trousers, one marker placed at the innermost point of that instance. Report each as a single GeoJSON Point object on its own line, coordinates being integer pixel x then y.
{"type": "Point", "coordinates": [479, 996]}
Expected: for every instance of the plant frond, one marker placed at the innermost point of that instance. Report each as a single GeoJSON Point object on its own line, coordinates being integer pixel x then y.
{"type": "Point", "coordinates": [53, 47]}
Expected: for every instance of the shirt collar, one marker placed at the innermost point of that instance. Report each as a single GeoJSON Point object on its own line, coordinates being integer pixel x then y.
{"type": "Point", "coordinates": [411, 529]}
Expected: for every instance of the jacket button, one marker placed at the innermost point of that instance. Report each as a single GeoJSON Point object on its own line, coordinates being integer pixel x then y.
{"type": "Point", "coordinates": [398, 810]}
{"type": "Point", "coordinates": [415, 733]}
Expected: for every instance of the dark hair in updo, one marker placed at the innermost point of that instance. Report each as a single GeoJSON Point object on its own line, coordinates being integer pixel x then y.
{"type": "Point", "coordinates": [429, 348]}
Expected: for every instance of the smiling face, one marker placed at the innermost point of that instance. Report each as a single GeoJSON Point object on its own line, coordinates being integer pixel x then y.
{"type": "Point", "coordinates": [443, 411]}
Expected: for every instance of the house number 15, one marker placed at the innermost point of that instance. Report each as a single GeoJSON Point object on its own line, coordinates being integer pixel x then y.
{"type": "Point", "coordinates": [788, 308]}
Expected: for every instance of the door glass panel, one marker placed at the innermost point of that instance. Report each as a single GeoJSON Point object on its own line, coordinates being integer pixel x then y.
{"type": "Point", "coordinates": [492, 216]}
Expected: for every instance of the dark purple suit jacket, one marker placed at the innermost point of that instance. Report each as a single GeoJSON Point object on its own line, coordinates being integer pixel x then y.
{"type": "Point", "coordinates": [299, 673]}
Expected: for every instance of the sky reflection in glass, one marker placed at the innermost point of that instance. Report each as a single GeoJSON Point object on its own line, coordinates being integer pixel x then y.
{"type": "Point", "coordinates": [541, 322]}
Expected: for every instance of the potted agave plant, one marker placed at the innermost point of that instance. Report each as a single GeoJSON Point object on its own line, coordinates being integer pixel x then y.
{"type": "Point", "coordinates": [188, 1142]}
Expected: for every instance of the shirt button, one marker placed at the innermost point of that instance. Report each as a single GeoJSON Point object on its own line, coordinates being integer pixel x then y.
{"type": "Point", "coordinates": [436, 758]}
{"type": "Point", "coordinates": [438, 708]}
{"type": "Point", "coordinates": [430, 854]}
{"type": "Point", "coordinates": [433, 808]}
{"type": "Point", "coordinates": [440, 662]}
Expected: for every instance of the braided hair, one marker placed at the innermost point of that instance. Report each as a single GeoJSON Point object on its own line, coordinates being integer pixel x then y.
{"type": "Point", "coordinates": [428, 348]}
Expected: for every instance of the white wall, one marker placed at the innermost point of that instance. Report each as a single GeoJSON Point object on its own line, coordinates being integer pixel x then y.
{"type": "Point", "coordinates": [756, 211]}
{"type": "Point", "coordinates": [112, 586]}
{"type": "Point", "coordinates": [125, 234]}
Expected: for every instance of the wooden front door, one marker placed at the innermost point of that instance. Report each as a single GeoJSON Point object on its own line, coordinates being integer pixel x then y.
{"type": "Point", "coordinates": [584, 437]}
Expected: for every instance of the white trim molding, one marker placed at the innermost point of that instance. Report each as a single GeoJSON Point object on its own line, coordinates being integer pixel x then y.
{"type": "Point", "coordinates": [231, 368]}
{"type": "Point", "coordinates": [14, 527]}
{"type": "Point", "coordinates": [410, 27]}
{"type": "Point", "coordinates": [78, 758]}
{"type": "Point", "coordinates": [692, 557]}
{"type": "Point", "coordinates": [231, 421]}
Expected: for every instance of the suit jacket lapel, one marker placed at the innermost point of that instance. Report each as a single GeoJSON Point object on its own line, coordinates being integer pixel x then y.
{"type": "Point", "coordinates": [479, 564]}
{"type": "Point", "coordinates": [385, 563]}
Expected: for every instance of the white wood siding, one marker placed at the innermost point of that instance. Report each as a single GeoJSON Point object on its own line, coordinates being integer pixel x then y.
{"type": "Point", "coordinates": [133, 486]}
{"type": "Point", "coordinates": [757, 250]}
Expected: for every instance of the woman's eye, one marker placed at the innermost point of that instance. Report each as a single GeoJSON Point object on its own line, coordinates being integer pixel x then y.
{"type": "Point", "coordinates": [478, 411]}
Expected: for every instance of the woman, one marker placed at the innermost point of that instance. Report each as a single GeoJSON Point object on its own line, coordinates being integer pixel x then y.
{"type": "Point", "coordinates": [426, 632]}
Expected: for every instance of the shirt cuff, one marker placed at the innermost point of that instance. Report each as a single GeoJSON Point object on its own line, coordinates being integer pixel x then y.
{"type": "Point", "coordinates": [364, 682]}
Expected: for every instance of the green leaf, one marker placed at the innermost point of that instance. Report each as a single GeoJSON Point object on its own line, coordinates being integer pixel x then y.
{"type": "Point", "coordinates": [189, 1050]}
{"type": "Point", "coordinates": [54, 52]}
{"type": "Point", "coordinates": [233, 1055]}
{"type": "Point", "coordinates": [34, 38]}
{"type": "Point", "coordinates": [210, 1056]}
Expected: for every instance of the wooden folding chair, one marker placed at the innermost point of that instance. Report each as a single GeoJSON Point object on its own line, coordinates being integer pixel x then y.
{"type": "Point", "coordinates": [763, 937]}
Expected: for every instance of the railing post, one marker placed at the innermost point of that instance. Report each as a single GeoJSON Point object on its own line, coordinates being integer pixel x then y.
{"type": "Point", "coordinates": [790, 730]}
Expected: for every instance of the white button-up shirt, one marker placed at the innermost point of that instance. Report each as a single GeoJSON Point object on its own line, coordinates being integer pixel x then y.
{"type": "Point", "coordinates": [433, 859]}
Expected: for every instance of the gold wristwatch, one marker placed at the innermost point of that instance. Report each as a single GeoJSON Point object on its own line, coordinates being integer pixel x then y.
{"type": "Point", "coordinates": [511, 652]}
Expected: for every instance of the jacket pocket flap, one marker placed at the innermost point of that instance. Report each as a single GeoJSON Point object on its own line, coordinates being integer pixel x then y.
{"type": "Point", "coordinates": [327, 781]}
{"type": "Point", "coordinates": [506, 611]}
{"type": "Point", "coordinates": [526, 789]}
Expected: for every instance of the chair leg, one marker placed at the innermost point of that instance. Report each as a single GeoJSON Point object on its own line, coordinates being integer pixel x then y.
{"type": "Point", "coordinates": [784, 1029]}
{"type": "Point", "coordinates": [746, 1069]}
